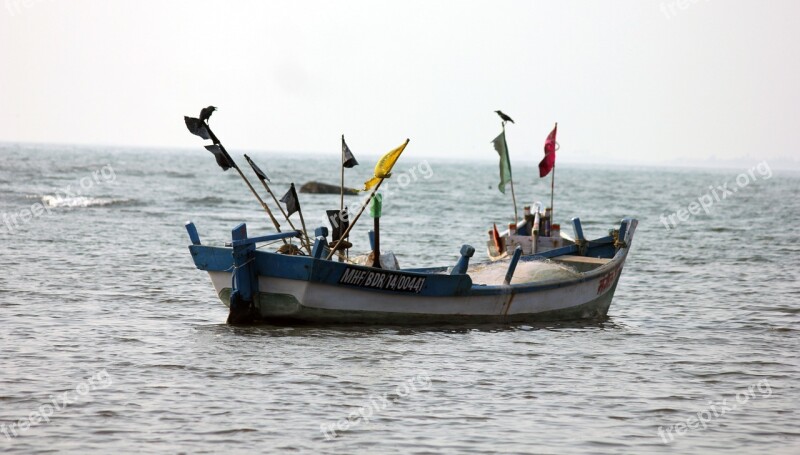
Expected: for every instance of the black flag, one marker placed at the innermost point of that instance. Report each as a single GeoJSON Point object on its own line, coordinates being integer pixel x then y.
{"type": "Point", "coordinates": [221, 156]}
{"type": "Point", "coordinates": [340, 221]}
{"type": "Point", "coordinates": [197, 127]}
{"type": "Point", "coordinates": [291, 201]}
{"type": "Point", "coordinates": [348, 160]}
{"type": "Point", "coordinates": [261, 174]}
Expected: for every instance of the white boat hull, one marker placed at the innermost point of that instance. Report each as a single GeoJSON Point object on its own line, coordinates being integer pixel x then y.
{"type": "Point", "coordinates": [285, 299]}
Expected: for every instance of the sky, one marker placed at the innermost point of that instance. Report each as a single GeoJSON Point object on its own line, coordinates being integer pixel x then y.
{"type": "Point", "coordinates": [629, 81]}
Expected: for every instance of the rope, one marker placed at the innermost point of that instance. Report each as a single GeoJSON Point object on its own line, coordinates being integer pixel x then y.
{"type": "Point", "coordinates": [235, 269]}
{"type": "Point", "coordinates": [581, 244]}
{"type": "Point", "coordinates": [617, 243]}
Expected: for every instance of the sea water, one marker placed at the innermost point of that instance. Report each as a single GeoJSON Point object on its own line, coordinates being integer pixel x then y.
{"type": "Point", "coordinates": [112, 341]}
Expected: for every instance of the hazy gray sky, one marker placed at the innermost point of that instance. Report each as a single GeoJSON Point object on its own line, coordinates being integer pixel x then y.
{"type": "Point", "coordinates": [638, 80]}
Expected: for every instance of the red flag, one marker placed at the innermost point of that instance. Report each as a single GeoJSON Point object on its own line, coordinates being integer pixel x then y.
{"type": "Point", "coordinates": [498, 241]}
{"type": "Point", "coordinates": [549, 160]}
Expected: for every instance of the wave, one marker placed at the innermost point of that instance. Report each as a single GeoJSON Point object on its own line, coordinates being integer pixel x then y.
{"type": "Point", "coordinates": [203, 200]}
{"type": "Point", "coordinates": [180, 175]}
{"type": "Point", "coordinates": [82, 201]}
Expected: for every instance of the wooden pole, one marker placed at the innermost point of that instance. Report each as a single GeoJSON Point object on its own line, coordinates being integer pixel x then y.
{"type": "Point", "coordinates": [553, 183]}
{"type": "Point", "coordinates": [341, 195]}
{"type": "Point", "coordinates": [353, 223]}
{"type": "Point", "coordinates": [376, 250]}
{"type": "Point", "coordinates": [253, 190]}
{"type": "Point", "coordinates": [283, 212]}
{"type": "Point", "coordinates": [552, 187]}
{"type": "Point", "coordinates": [303, 223]}
{"type": "Point", "coordinates": [513, 196]}
{"type": "Point", "coordinates": [514, 199]}
{"type": "Point", "coordinates": [341, 199]}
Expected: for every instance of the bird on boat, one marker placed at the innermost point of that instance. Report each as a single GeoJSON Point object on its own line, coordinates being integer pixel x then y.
{"type": "Point", "coordinates": [206, 112]}
{"type": "Point", "coordinates": [504, 117]}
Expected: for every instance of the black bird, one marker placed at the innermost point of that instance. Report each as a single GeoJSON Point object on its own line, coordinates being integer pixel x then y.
{"type": "Point", "coordinates": [206, 112]}
{"type": "Point", "coordinates": [504, 117]}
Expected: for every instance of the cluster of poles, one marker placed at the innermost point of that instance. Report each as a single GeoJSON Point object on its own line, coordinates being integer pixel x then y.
{"type": "Point", "coordinates": [200, 127]}
{"type": "Point", "coordinates": [546, 166]}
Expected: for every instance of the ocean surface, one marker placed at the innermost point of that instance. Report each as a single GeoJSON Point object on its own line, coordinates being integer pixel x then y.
{"type": "Point", "coordinates": [112, 342]}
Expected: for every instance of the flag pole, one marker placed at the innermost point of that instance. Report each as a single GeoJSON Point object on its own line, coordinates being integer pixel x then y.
{"type": "Point", "coordinates": [241, 174]}
{"type": "Point", "coordinates": [513, 196]}
{"type": "Point", "coordinates": [552, 188]}
{"type": "Point", "coordinates": [353, 223]}
{"type": "Point", "coordinates": [280, 207]}
{"type": "Point", "coordinates": [385, 173]}
{"type": "Point", "coordinates": [341, 201]}
{"type": "Point", "coordinates": [341, 193]}
{"type": "Point", "coordinates": [553, 183]}
{"type": "Point", "coordinates": [303, 223]}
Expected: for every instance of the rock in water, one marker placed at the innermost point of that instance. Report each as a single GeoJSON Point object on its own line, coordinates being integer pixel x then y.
{"type": "Point", "coordinates": [324, 188]}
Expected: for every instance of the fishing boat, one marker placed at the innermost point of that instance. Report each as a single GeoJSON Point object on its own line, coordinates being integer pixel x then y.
{"type": "Point", "coordinates": [308, 284]}
{"type": "Point", "coordinates": [264, 286]}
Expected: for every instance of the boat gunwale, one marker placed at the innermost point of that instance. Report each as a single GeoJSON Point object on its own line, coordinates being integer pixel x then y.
{"type": "Point", "coordinates": [474, 289]}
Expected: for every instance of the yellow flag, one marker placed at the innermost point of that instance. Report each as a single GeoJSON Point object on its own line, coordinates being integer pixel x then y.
{"type": "Point", "coordinates": [383, 170]}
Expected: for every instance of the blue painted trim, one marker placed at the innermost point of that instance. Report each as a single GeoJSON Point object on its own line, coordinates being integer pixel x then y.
{"type": "Point", "coordinates": [578, 229]}
{"type": "Point", "coordinates": [571, 249]}
{"type": "Point", "coordinates": [321, 231]}
{"type": "Point", "coordinates": [193, 235]}
{"type": "Point", "coordinates": [467, 251]}
{"type": "Point", "coordinates": [320, 249]}
{"type": "Point", "coordinates": [623, 230]}
{"type": "Point", "coordinates": [513, 265]}
{"type": "Point", "coordinates": [245, 278]}
{"type": "Point", "coordinates": [437, 283]}
{"type": "Point", "coordinates": [264, 238]}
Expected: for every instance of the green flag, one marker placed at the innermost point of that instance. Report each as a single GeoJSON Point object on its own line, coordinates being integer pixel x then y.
{"type": "Point", "coordinates": [505, 166]}
{"type": "Point", "coordinates": [376, 206]}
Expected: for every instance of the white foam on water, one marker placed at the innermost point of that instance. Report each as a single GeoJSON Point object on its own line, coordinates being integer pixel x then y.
{"type": "Point", "coordinates": [526, 272]}
{"type": "Point", "coordinates": [77, 201]}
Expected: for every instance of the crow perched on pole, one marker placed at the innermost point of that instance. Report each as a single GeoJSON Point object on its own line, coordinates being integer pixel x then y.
{"type": "Point", "coordinates": [206, 112]}
{"type": "Point", "coordinates": [504, 117]}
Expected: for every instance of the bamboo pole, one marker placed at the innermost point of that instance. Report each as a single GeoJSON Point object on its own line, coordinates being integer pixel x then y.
{"type": "Point", "coordinates": [280, 207]}
{"type": "Point", "coordinates": [303, 223]}
{"type": "Point", "coordinates": [341, 201]}
{"type": "Point", "coordinates": [283, 212]}
{"type": "Point", "coordinates": [552, 188]}
{"type": "Point", "coordinates": [341, 195]}
{"type": "Point", "coordinates": [241, 174]}
{"type": "Point", "coordinates": [553, 183]}
{"type": "Point", "coordinates": [508, 157]}
{"type": "Point", "coordinates": [514, 199]}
